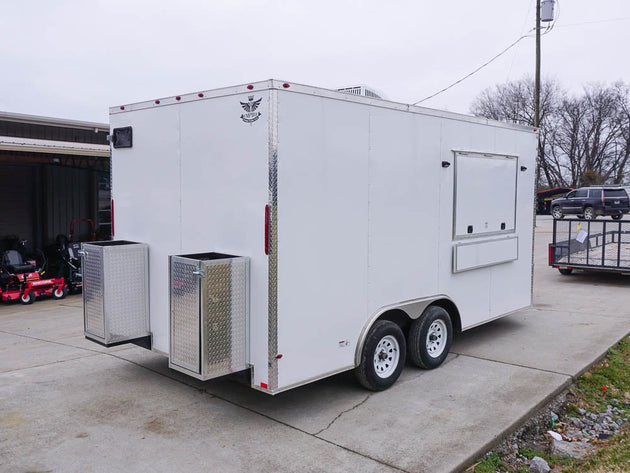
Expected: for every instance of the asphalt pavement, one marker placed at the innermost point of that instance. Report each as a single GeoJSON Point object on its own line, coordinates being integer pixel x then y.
{"type": "Point", "coordinates": [69, 405]}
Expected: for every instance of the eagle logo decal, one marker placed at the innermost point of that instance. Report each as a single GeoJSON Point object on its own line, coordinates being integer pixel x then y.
{"type": "Point", "coordinates": [250, 115]}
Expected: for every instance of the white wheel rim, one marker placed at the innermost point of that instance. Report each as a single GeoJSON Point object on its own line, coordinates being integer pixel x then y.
{"type": "Point", "coordinates": [436, 338]}
{"type": "Point", "coordinates": [386, 356]}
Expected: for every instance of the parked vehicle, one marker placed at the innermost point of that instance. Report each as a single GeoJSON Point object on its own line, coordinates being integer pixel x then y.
{"type": "Point", "coordinates": [590, 246]}
{"type": "Point", "coordinates": [23, 279]}
{"type": "Point", "coordinates": [296, 232]}
{"type": "Point", "coordinates": [589, 202]}
{"type": "Point", "coordinates": [69, 262]}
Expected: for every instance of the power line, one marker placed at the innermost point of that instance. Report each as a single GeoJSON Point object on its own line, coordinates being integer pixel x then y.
{"type": "Point", "coordinates": [609, 20]}
{"type": "Point", "coordinates": [476, 70]}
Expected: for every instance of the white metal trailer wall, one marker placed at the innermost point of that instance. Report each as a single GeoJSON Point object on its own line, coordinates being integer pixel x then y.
{"type": "Point", "coordinates": [364, 200]}
{"type": "Point", "coordinates": [322, 234]}
{"type": "Point", "coordinates": [404, 204]}
{"type": "Point", "coordinates": [484, 293]}
{"type": "Point", "coordinates": [146, 194]}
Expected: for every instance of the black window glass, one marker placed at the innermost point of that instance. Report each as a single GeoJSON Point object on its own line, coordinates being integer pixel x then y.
{"type": "Point", "coordinates": [595, 193]}
{"type": "Point", "coordinates": [571, 194]}
{"type": "Point", "coordinates": [615, 193]}
{"type": "Point", "coordinates": [581, 193]}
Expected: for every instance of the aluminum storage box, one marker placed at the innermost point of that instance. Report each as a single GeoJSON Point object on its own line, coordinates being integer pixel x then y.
{"type": "Point", "coordinates": [209, 307]}
{"type": "Point", "coordinates": [115, 291]}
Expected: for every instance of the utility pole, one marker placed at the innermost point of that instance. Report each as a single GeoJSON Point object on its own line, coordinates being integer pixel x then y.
{"type": "Point", "coordinates": [537, 79]}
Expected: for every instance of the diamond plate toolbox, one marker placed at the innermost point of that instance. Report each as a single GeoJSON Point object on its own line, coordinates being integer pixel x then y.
{"type": "Point", "coordinates": [209, 307]}
{"type": "Point", "coordinates": [115, 291]}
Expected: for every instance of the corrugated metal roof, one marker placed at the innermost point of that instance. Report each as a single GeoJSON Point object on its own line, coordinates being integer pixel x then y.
{"type": "Point", "coordinates": [8, 143]}
{"type": "Point", "coordinates": [39, 120]}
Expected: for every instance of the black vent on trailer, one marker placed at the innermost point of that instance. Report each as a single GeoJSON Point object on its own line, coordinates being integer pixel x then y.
{"type": "Point", "coordinates": [122, 137]}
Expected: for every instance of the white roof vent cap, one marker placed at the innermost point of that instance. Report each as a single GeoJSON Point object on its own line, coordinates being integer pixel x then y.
{"type": "Point", "coordinates": [363, 91]}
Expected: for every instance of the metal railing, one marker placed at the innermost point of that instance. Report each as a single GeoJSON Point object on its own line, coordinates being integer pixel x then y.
{"type": "Point", "coordinates": [601, 244]}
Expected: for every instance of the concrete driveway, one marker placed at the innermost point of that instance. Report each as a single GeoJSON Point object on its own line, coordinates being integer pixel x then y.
{"type": "Point", "coordinates": [68, 405]}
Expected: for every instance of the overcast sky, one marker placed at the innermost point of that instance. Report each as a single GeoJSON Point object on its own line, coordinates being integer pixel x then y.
{"type": "Point", "coordinates": [75, 58]}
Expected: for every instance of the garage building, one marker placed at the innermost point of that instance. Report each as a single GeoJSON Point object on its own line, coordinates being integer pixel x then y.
{"type": "Point", "coordinates": [53, 171]}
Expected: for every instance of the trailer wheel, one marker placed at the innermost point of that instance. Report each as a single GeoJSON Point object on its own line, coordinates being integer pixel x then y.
{"type": "Point", "coordinates": [60, 292]}
{"type": "Point", "coordinates": [557, 212]}
{"type": "Point", "coordinates": [27, 298]}
{"type": "Point", "coordinates": [589, 213]}
{"type": "Point", "coordinates": [430, 337]}
{"type": "Point", "coordinates": [565, 271]}
{"type": "Point", "coordinates": [617, 217]}
{"type": "Point", "coordinates": [383, 356]}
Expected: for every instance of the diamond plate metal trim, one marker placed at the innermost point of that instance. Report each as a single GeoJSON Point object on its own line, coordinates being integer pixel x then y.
{"type": "Point", "coordinates": [224, 317]}
{"type": "Point", "coordinates": [115, 291]}
{"type": "Point", "coordinates": [184, 301]}
{"type": "Point", "coordinates": [125, 289]}
{"type": "Point", "coordinates": [93, 311]}
{"type": "Point", "coordinates": [273, 244]}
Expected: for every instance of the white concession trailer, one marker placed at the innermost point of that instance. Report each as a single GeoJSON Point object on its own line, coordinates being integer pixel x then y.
{"type": "Point", "coordinates": [297, 232]}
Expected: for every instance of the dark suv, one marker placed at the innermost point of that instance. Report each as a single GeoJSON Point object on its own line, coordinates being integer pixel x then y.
{"type": "Point", "coordinates": [589, 202]}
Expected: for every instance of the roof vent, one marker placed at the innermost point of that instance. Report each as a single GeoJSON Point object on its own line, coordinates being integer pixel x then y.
{"type": "Point", "coordinates": [361, 90]}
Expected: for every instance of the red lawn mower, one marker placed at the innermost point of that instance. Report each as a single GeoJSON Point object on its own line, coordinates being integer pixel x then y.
{"type": "Point", "coordinates": [21, 278]}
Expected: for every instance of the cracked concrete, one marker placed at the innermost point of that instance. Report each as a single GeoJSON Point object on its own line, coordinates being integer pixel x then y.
{"type": "Point", "coordinates": [70, 405]}
{"type": "Point", "coordinates": [359, 404]}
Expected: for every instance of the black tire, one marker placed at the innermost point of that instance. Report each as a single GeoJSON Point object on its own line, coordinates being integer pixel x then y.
{"type": "Point", "coordinates": [60, 293]}
{"type": "Point", "coordinates": [27, 299]}
{"type": "Point", "coordinates": [430, 338]}
{"type": "Point", "coordinates": [381, 360]}
{"type": "Point", "coordinates": [565, 271]}
{"type": "Point", "coordinates": [557, 213]}
{"type": "Point", "coordinates": [589, 213]}
{"type": "Point", "coordinates": [617, 217]}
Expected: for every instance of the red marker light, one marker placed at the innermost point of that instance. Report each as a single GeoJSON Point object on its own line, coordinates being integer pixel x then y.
{"type": "Point", "coordinates": [285, 85]}
{"type": "Point", "coordinates": [178, 98]}
{"type": "Point", "coordinates": [264, 385]}
{"type": "Point", "coordinates": [199, 95]}
{"type": "Point", "coordinates": [267, 222]}
{"type": "Point", "coordinates": [278, 356]}
{"type": "Point", "coordinates": [122, 107]}
{"type": "Point", "coordinates": [157, 102]}
{"type": "Point", "coordinates": [250, 87]}
{"type": "Point", "coordinates": [111, 215]}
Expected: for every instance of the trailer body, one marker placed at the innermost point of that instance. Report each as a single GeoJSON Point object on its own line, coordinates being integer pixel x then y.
{"type": "Point", "coordinates": [282, 221]}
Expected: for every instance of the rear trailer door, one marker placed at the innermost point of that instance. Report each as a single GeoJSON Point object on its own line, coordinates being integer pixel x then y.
{"type": "Point", "coordinates": [195, 181]}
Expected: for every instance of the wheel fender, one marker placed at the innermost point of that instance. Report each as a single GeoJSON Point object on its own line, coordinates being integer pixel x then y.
{"type": "Point", "coordinates": [413, 309]}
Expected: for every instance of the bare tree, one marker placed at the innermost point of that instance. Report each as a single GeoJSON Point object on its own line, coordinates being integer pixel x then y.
{"type": "Point", "coordinates": [584, 140]}
{"type": "Point", "coordinates": [590, 135]}
{"type": "Point", "coordinates": [514, 102]}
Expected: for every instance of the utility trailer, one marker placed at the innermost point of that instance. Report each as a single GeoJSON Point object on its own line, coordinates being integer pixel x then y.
{"type": "Point", "coordinates": [294, 232]}
{"type": "Point", "coordinates": [601, 245]}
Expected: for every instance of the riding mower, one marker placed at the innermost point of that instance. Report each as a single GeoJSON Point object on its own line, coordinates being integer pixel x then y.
{"type": "Point", "coordinates": [22, 279]}
{"type": "Point", "coordinates": [64, 256]}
